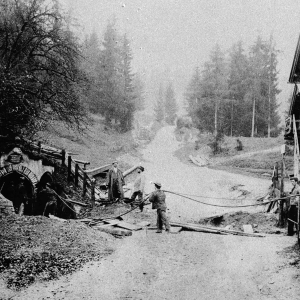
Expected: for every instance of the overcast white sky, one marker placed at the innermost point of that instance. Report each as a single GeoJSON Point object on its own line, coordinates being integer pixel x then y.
{"type": "Point", "coordinates": [169, 38]}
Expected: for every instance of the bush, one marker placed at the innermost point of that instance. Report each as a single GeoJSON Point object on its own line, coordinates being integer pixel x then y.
{"type": "Point", "coordinates": [183, 122]}
{"type": "Point", "coordinates": [216, 142]}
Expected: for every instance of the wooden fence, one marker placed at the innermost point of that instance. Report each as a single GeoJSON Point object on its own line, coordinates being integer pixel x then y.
{"type": "Point", "coordinates": [77, 170]}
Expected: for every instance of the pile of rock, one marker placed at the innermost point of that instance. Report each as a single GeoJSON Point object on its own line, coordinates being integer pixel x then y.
{"type": "Point", "coordinates": [6, 206]}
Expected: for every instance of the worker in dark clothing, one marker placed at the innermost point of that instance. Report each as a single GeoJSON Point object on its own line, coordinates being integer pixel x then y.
{"type": "Point", "coordinates": [115, 182]}
{"type": "Point", "coordinates": [293, 207]}
{"type": "Point", "coordinates": [17, 193]}
{"type": "Point", "coordinates": [158, 200]}
{"type": "Point", "coordinates": [22, 196]}
{"type": "Point", "coordinates": [49, 198]}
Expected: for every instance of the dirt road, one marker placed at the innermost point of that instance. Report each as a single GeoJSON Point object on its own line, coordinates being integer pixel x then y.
{"type": "Point", "coordinates": [188, 265]}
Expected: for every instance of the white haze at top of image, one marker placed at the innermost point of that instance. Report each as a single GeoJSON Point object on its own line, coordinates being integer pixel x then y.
{"type": "Point", "coordinates": [170, 38]}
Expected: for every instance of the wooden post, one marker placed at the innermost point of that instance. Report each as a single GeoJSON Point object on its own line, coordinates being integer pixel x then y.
{"type": "Point", "coordinates": [298, 223]}
{"type": "Point", "coordinates": [76, 174]}
{"type": "Point", "coordinates": [84, 184]}
{"type": "Point", "coordinates": [93, 183]}
{"type": "Point", "coordinates": [276, 175]}
{"type": "Point", "coordinates": [281, 221]}
{"type": "Point", "coordinates": [69, 167]}
{"type": "Point", "coordinates": [63, 157]}
{"type": "Point", "coordinates": [40, 147]}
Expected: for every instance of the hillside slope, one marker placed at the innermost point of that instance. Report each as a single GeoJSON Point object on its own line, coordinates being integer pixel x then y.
{"type": "Point", "coordinates": [98, 145]}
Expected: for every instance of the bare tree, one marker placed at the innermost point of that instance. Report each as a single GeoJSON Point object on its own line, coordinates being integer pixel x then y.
{"type": "Point", "coordinates": [40, 78]}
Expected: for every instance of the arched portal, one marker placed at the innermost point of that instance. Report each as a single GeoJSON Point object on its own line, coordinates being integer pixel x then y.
{"type": "Point", "coordinates": [18, 184]}
{"type": "Point", "coordinates": [22, 171]}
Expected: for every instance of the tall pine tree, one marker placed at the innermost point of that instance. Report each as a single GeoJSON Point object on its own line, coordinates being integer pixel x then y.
{"type": "Point", "coordinates": [126, 108]}
{"type": "Point", "coordinates": [193, 95]}
{"type": "Point", "coordinates": [90, 53]}
{"type": "Point", "coordinates": [214, 92]}
{"type": "Point", "coordinates": [110, 87]}
{"type": "Point", "coordinates": [273, 119]}
{"type": "Point", "coordinates": [236, 112]}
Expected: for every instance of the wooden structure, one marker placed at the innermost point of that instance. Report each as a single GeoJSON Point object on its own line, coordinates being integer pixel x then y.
{"type": "Point", "coordinates": [294, 108]}
{"type": "Point", "coordinates": [33, 160]}
{"type": "Point", "coordinates": [292, 126]}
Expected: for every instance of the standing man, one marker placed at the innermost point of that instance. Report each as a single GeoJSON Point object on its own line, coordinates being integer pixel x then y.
{"type": "Point", "coordinates": [22, 196]}
{"type": "Point", "coordinates": [293, 207]}
{"type": "Point", "coordinates": [49, 198]}
{"type": "Point", "coordinates": [115, 182]}
{"type": "Point", "coordinates": [138, 189]}
{"type": "Point", "coordinates": [158, 199]}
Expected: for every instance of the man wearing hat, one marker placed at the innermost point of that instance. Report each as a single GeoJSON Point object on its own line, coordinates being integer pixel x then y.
{"type": "Point", "coordinates": [158, 199]}
{"type": "Point", "coordinates": [138, 189]}
{"type": "Point", "coordinates": [115, 182]}
{"type": "Point", "coordinates": [49, 199]}
{"type": "Point", "coordinates": [293, 207]}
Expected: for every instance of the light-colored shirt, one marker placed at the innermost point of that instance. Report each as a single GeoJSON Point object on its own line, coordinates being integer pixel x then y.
{"type": "Point", "coordinates": [295, 191]}
{"type": "Point", "coordinates": [139, 183]}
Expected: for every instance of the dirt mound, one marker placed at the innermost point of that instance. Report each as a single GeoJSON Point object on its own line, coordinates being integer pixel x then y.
{"type": "Point", "coordinates": [38, 248]}
{"type": "Point", "coordinates": [261, 222]}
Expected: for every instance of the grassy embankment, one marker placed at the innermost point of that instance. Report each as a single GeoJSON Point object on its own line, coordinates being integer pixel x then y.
{"type": "Point", "coordinates": [257, 158]}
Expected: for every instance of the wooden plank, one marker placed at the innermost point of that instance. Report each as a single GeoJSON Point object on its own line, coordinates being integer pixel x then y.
{"type": "Point", "coordinates": [143, 224]}
{"type": "Point", "coordinates": [114, 231]}
{"type": "Point", "coordinates": [198, 226]}
{"type": "Point", "coordinates": [101, 225]}
{"type": "Point", "coordinates": [125, 225]}
{"type": "Point", "coordinates": [95, 171]}
{"type": "Point", "coordinates": [86, 220]}
{"type": "Point", "coordinates": [82, 162]}
{"type": "Point", "coordinates": [111, 222]}
{"type": "Point", "coordinates": [128, 226]}
{"type": "Point", "coordinates": [129, 171]}
{"type": "Point", "coordinates": [175, 229]}
{"type": "Point", "coordinates": [212, 217]}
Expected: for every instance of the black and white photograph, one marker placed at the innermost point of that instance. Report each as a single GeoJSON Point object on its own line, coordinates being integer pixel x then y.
{"type": "Point", "coordinates": [149, 150]}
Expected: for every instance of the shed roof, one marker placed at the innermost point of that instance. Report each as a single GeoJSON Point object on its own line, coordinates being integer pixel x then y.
{"type": "Point", "coordinates": [295, 71]}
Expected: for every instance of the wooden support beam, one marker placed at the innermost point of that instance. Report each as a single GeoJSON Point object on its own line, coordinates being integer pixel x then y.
{"type": "Point", "coordinates": [69, 167]}
{"type": "Point", "coordinates": [98, 170]}
{"type": "Point", "coordinates": [76, 174]}
{"type": "Point", "coordinates": [93, 192]}
{"type": "Point", "coordinates": [39, 147]}
{"type": "Point", "coordinates": [129, 171]}
{"type": "Point", "coordinates": [81, 162]}
{"type": "Point", "coordinates": [281, 219]}
{"type": "Point", "coordinates": [84, 184]}
{"type": "Point", "coordinates": [63, 157]}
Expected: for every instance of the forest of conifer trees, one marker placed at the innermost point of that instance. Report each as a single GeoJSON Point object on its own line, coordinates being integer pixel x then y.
{"type": "Point", "coordinates": [236, 94]}
{"type": "Point", "coordinates": [113, 90]}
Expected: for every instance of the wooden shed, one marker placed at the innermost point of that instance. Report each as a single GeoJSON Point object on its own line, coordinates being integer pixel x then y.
{"type": "Point", "coordinates": [294, 109]}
